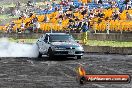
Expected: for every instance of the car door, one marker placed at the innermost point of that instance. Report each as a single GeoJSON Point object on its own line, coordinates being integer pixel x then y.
{"type": "Point", "coordinates": [45, 44]}
{"type": "Point", "coordinates": [40, 43]}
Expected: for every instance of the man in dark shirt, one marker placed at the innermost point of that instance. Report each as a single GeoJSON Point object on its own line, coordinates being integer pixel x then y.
{"type": "Point", "coordinates": [100, 2]}
{"type": "Point", "coordinates": [101, 15]}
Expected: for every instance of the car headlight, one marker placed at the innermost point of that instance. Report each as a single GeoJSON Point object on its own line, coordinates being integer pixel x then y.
{"type": "Point", "coordinates": [80, 48]}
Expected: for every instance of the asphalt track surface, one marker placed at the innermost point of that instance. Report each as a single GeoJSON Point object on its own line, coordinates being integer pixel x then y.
{"type": "Point", "coordinates": [61, 72]}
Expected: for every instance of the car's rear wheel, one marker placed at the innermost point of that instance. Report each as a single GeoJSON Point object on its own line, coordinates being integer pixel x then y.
{"type": "Point", "coordinates": [40, 55]}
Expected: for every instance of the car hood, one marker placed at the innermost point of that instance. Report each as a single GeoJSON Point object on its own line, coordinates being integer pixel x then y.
{"type": "Point", "coordinates": [66, 44]}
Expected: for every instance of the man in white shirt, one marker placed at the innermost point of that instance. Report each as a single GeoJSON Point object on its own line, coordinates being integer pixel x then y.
{"type": "Point", "coordinates": [36, 26]}
{"type": "Point", "coordinates": [22, 26]}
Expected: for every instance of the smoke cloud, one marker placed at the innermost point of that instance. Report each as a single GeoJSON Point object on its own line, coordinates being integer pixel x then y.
{"type": "Point", "coordinates": [12, 49]}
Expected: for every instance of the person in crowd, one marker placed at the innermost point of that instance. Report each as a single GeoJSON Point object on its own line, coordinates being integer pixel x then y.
{"type": "Point", "coordinates": [18, 4]}
{"type": "Point", "coordinates": [126, 3]}
{"type": "Point", "coordinates": [78, 20]}
{"type": "Point", "coordinates": [64, 3]}
{"type": "Point", "coordinates": [128, 16]}
{"type": "Point", "coordinates": [84, 12]}
{"type": "Point", "coordinates": [46, 18]}
{"type": "Point", "coordinates": [100, 2]}
{"type": "Point", "coordinates": [16, 12]}
{"type": "Point", "coordinates": [76, 26]}
{"type": "Point", "coordinates": [71, 24]}
{"type": "Point", "coordinates": [18, 30]}
{"type": "Point", "coordinates": [23, 14]}
{"type": "Point", "coordinates": [115, 15]}
{"type": "Point", "coordinates": [96, 1]}
{"type": "Point", "coordinates": [101, 14]}
{"type": "Point", "coordinates": [79, 27]}
{"type": "Point", "coordinates": [61, 10]}
{"type": "Point", "coordinates": [22, 26]}
{"type": "Point", "coordinates": [29, 3]}
{"type": "Point", "coordinates": [36, 26]}
{"type": "Point", "coordinates": [91, 15]}
{"type": "Point", "coordinates": [10, 27]}
{"type": "Point", "coordinates": [2, 10]}
{"type": "Point", "coordinates": [35, 19]}
{"type": "Point", "coordinates": [129, 6]}
{"type": "Point", "coordinates": [108, 27]}
{"type": "Point", "coordinates": [73, 28]}
{"type": "Point", "coordinates": [84, 32]}
{"type": "Point", "coordinates": [30, 15]}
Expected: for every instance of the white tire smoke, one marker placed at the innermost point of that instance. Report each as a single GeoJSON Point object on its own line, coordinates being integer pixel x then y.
{"type": "Point", "coordinates": [12, 49]}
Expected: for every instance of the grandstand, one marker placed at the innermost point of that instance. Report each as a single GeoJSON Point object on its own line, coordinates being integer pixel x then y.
{"type": "Point", "coordinates": [64, 16]}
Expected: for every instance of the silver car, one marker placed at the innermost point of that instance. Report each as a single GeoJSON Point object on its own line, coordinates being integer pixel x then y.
{"type": "Point", "coordinates": [59, 44]}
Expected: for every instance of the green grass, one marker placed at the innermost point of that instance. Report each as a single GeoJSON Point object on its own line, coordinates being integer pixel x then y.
{"type": "Point", "coordinates": [3, 16]}
{"type": "Point", "coordinates": [6, 5]}
{"type": "Point", "coordinates": [90, 42]}
{"type": "Point", "coordinates": [7, 17]}
{"type": "Point", "coordinates": [19, 40]}
{"type": "Point", "coordinates": [109, 43]}
{"type": "Point", "coordinates": [23, 40]}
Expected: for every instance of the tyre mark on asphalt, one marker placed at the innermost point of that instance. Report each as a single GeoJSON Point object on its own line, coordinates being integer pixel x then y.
{"type": "Point", "coordinates": [50, 64]}
{"type": "Point", "coordinates": [124, 64]}
{"type": "Point", "coordinates": [31, 62]}
{"type": "Point", "coordinates": [111, 69]}
{"type": "Point", "coordinates": [63, 73]}
{"type": "Point", "coordinates": [98, 85]}
{"type": "Point", "coordinates": [68, 79]}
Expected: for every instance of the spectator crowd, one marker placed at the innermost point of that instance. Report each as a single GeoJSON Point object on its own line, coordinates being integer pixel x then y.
{"type": "Point", "coordinates": [74, 16]}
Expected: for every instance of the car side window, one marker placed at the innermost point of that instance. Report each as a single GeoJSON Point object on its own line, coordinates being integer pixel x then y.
{"type": "Point", "coordinates": [46, 39]}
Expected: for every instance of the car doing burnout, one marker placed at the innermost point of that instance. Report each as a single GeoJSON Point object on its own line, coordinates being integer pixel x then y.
{"type": "Point", "coordinates": [59, 44]}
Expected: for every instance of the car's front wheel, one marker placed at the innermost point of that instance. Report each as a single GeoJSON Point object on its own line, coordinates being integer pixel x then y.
{"type": "Point", "coordinates": [79, 57]}
{"type": "Point", "coordinates": [50, 53]}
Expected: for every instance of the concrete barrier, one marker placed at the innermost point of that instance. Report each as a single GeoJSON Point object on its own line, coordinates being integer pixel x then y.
{"type": "Point", "coordinates": [31, 35]}
{"type": "Point", "coordinates": [21, 35]}
{"type": "Point", "coordinates": [111, 37]}
{"type": "Point", "coordinates": [108, 50]}
{"type": "Point", "coordinates": [92, 36]}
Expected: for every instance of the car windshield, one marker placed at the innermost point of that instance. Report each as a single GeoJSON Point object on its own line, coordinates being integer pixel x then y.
{"type": "Point", "coordinates": [61, 38]}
